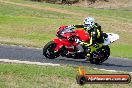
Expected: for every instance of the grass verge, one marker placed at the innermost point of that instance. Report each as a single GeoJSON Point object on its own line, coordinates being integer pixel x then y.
{"type": "Point", "coordinates": [33, 76]}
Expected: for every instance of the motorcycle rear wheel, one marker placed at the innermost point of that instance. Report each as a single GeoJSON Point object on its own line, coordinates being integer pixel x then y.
{"type": "Point", "coordinates": [100, 55]}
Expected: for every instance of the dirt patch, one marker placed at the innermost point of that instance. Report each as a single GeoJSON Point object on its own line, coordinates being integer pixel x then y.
{"type": "Point", "coordinates": [41, 8]}
{"type": "Point", "coordinates": [103, 4]}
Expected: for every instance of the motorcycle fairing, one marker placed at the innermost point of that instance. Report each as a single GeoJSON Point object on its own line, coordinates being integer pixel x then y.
{"type": "Point", "coordinates": [62, 42]}
{"type": "Point", "coordinates": [81, 34]}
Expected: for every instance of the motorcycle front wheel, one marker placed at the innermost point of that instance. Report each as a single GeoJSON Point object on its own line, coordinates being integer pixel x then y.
{"type": "Point", "coordinates": [48, 50]}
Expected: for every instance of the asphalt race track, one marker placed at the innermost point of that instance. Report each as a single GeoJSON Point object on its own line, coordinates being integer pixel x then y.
{"type": "Point", "coordinates": [35, 55]}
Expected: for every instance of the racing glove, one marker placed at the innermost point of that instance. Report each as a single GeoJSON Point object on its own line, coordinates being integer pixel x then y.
{"type": "Point", "coordinates": [78, 41]}
{"type": "Point", "coordinates": [71, 39]}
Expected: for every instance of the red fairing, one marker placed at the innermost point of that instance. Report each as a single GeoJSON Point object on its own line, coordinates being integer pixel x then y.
{"type": "Point", "coordinates": [79, 33]}
{"type": "Point", "coordinates": [67, 35]}
{"type": "Point", "coordinates": [62, 42]}
{"type": "Point", "coordinates": [59, 44]}
{"type": "Point", "coordinates": [61, 28]}
{"type": "Point", "coordinates": [82, 35]}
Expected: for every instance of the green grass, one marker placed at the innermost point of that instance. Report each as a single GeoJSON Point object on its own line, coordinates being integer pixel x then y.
{"type": "Point", "coordinates": [118, 14]}
{"type": "Point", "coordinates": [118, 50]}
{"type": "Point", "coordinates": [33, 76]}
{"type": "Point", "coordinates": [27, 26]}
{"type": "Point", "coordinates": [14, 10]}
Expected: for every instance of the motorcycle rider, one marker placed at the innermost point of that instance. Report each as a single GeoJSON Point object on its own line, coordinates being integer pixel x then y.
{"type": "Point", "coordinates": [94, 30]}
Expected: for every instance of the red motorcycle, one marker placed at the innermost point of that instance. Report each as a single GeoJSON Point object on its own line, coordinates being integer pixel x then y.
{"type": "Point", "coordinates": [67, 45]}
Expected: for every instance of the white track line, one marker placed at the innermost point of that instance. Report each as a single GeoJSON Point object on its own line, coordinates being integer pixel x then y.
{"type": "Point", "coordinates": [47, 64]}
{"type": "Point", "coordinates": [111, 70]}
{"type": "Point", "coordinates": [21, 46]}
{"type": "Point", "coordinates": [38, 63]}
{"type": "Point", "coordinates": [28, 62]}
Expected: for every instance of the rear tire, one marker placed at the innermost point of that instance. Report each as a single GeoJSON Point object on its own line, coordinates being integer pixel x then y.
{"type": "Point", "coordinates": [100, 55]}
{"type": "Point", "coordinates": [48, 50]}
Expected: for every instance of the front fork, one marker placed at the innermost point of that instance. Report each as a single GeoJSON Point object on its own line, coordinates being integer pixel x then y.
{"type": "Point", "coordinates": [79, 48]}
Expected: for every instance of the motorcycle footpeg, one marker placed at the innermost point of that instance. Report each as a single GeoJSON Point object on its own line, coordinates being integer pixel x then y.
{"type": "Point", "coordinates": [70, 55]}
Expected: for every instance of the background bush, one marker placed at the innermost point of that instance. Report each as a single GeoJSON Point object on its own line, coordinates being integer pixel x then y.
{"type": "Point", "coordinates": [68, 1]}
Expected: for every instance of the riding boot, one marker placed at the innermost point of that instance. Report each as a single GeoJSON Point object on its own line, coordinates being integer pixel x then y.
{"type": "Point", "coordinates": [88, 52]}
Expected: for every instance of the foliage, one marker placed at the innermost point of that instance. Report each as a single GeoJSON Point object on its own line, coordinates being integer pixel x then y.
{"type": "Point", "coordinates": [68, 1]}
{"type": "Point", "coordinates": [59, 1]}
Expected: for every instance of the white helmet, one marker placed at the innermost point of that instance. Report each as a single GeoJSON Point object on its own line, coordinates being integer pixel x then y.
{"type": "Point", "coordinates": [89, 22]}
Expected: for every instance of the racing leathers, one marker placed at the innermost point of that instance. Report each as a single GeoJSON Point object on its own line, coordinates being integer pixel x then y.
{"type": "Point", "coordinates": [96, 36]}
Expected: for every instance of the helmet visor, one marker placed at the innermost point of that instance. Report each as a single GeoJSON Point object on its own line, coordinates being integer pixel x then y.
{"type": "Point", "coordinates": [87, 25]}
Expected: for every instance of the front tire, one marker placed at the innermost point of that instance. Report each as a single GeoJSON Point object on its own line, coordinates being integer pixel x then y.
{"type": "Point", "coordinates": [48, 50]}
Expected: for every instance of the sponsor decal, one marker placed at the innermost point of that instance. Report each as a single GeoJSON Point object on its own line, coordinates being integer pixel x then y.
{"type": "Point", "coordinates": [83, 78]}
